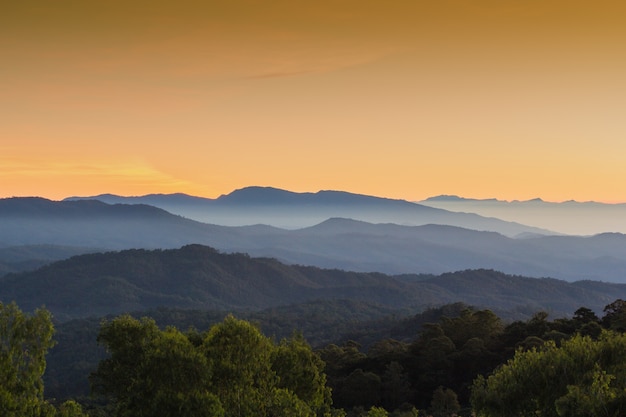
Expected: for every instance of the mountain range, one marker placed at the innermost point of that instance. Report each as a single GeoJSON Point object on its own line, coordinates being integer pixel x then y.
{"type": "Point", "coordinates": [569, 217]}
{"type": "Point", "coordinates": [290, 210]}
{"type": "Point", "coordinates": [342, 266]}
{"type": "Point", "coordinates": [91, 225]}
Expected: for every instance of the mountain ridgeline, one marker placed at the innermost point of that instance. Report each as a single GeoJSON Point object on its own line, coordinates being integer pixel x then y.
{"type": "Point", "coordinates": [199, 277]}
{"type": "Point", "coordinates": [570, 217]}
{"type": "Point", "coordinates": [348, 244]}
{"type": "Point", "coordinates": [290, 210]}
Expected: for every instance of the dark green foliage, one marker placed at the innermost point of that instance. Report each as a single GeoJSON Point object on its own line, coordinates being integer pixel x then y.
{"type": "Point", "coordinates": [300, 370]}
{"type": "Point", "coordinates": [321, 322]}
{"type": "Point", "coordinates": [444, 403]}
{"type": "Point", "coordinates": [359, 388]}
{"type": "Point", "coordinates": [199, 277]}
{"type": "Point", "coordinates": [460, 344]}
{"type": "Point", "coordinates": [194, 276]}
{"type": "Point", "coordinates": [24, 342]}
{"type": "Point", "coordinates": [70, 409]}
{"type": "Point", "coordinates": [153, 372]}
{"type": "Point", "coordinates": [240, 361]}
{"type": "Point", "coordinates": [72, 359]}
{"type": "Point", "coordinates": [233, 370]}
{"type": "Point", "coordinates": [448, 346]}
{"type": "Point", "coordinates": [582, 377]}
{"type": "Point", "coordinates": [396, 386]}
{"type": "Point", "coordinates": [615, 316]}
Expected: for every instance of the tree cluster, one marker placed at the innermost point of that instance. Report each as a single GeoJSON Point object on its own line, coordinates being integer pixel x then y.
{"type": "Point", "coordinates": [436, 371]}
{"type": "Point", "coordinates": [232, 370]}
{"type": "Point", "coordinates": [465, 356]}
{"type": "Point", "coordinates": [24, 342]}
{"type": "Point", "coordinates": [575, 375]}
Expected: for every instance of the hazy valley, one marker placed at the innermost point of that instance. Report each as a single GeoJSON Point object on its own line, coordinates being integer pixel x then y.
{"type": "Point", "coordinates": [569, 217]}
{"type": "Point", "coordinates": [348, 239]}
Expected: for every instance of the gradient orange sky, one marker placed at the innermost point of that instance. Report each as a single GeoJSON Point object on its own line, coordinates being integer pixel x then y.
{"type": "Point", "coordinates": [402, 99]}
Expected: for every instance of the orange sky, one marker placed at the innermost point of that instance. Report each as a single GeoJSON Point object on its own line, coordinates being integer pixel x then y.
{"type": "Point", "coordinates": [403, 99]}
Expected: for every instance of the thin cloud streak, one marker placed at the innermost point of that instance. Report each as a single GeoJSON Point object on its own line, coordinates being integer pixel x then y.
{"type": "Point", "coordinates": [124, 177]}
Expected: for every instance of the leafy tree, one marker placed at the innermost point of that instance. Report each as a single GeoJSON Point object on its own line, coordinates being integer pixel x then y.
{"type": "Point", "coordinates": [395, 385]}
{"type": "Point", "coordinates": [341, 358]}
{"type": "Point", "coordinates": [591, 399]}
{"type": "Point", "coordinates": [70, 408]}
{"type": "Point", "coordinates": [615, 316]}
{"type": "Point", "coordinates": [585, 315]}
{"type": "Point", "coordinates": [285, 403]}
{"type": "Point", "coordinates": [591, 329]}
{"type": "Point", "coordinates": [360, 388]}
{"type": "Point", "coordinates": [578, 378]}
{"type": "Point", "coordinates": [483, 324]}
{"type": "Point", "coordinates": [177, 376]}
{"type": "Point", "coordinates": [240, 358]}
{"type": "Point", "coordinates": [301, 371]}
{"type": "Point", "coordinates": [377, 412]}
{"type": "Point", "coordinates": [24, 342]}
{"type": "Point", "coordinates": [405, 410]}
{"type": "Point", "coordinates": [153, 372]}
{"type": "Point", "coordinates": [232, 370]}
{"type": "Point", "coordinates": [444, 403]}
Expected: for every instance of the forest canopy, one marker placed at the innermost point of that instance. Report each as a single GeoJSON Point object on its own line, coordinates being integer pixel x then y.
{"type": "Point", "coordinates": [231, 370]}
{"type": "Point", "coordinates": [460, 360]}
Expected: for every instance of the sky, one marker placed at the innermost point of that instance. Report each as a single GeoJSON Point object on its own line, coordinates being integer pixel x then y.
{"type": "Point", "coordinates": [405, 99]}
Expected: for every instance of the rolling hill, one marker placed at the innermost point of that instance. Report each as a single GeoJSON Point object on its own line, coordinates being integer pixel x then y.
{"type": "Point", "coordinates": [199, 277]}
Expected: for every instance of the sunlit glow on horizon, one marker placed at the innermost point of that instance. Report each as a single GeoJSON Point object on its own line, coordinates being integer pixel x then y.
{"type": "Point", "coordinates": [406, 100]}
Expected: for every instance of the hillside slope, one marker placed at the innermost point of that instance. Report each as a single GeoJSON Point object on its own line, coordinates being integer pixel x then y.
{"type": "Point", "coordinates": [199, 277]}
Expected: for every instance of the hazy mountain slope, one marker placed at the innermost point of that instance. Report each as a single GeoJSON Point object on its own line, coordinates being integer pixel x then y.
{"type": "Point", "coordinates": [290, 210]}
{"type": "Point", "coordinates": [335, 243]}
{"type": "Point", "coordinates": [91, 223]}
{"type": "Point", "coordinates": [389, 248]}
{"type": "Point", "coordinates": [570, 217]}
{"type": "Point", "coordinates": [28, 257]}
{"type": "Point", "coordinates": [198, 277]}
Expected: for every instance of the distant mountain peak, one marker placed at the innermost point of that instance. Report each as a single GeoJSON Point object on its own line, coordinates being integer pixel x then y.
{"type": "Point", "coordinates": [451, 198]}
{"type": "Point", "coordinates": [446, 197]}
{"type": "Point", "coordinates": [275, 196]}
{"type": "Point", "coordinates": [257, 194]}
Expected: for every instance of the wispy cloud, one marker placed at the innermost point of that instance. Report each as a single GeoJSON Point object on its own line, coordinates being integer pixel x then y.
{"type": "Point", "coordinates": [126, 177]}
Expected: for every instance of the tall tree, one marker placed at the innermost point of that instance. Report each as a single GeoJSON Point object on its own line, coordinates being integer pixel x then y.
{"type": "Point", "coordinates": [615, 316]}
{"type": "Point", "coordinates": [582, 374]}
{"type": "Point", "coordinates": [301, 371]}
{"type": "Point", "coordinates": [240, 355]}
{"type": "Point", "coordinates": [233, 370]}
{"type": "Point", "coordinates": [24, 342]}
{"type": "Point", "coordinates": [152, 372]}
{"type": "Point", "coordinates": [444, 403]}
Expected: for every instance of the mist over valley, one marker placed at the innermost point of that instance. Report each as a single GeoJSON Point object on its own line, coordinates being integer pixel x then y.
{"type": "Point", "coordinates": [361, 233]}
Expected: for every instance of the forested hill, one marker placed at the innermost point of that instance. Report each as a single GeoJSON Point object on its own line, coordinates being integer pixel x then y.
{"type": "Point", "coordinates": [199, 277]}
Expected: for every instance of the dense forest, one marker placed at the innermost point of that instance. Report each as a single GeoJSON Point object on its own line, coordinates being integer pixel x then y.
{"type": "Point", "coordinates": [450, 360]}
{"type": "Point", "coordinates": [200, 277]}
